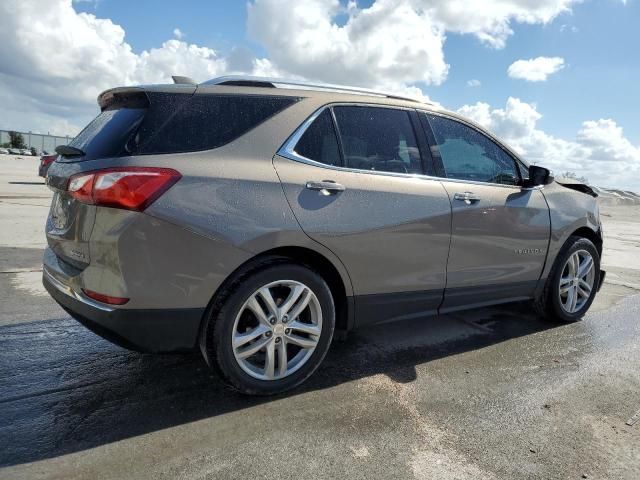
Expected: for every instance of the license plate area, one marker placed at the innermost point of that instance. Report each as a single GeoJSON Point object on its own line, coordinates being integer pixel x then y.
{"type": "Point", "coordinates": [61, 207]}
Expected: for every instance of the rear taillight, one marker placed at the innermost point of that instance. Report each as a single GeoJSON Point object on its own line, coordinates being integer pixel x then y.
{"type": "Point", "coordinates": [130, 188]}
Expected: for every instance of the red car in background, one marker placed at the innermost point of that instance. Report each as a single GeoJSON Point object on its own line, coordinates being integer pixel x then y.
{"type": "Point", "coordinates": [45, 162]}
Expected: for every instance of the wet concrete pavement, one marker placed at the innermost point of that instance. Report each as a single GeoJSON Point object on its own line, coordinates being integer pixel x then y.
{"type": "Point", "coordinates": [493, 393]}
{"type": "Point", "coordinates": [496, 394]}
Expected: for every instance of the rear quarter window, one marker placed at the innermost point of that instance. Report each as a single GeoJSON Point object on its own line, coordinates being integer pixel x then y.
{"type": "Point", "coordinates": [174, 123]}
{"type": "Point", "coordinates": [204, 122]}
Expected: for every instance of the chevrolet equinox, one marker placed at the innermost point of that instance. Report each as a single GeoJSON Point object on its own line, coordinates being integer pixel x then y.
{"type": "Point", "coordinates": [252, 218]}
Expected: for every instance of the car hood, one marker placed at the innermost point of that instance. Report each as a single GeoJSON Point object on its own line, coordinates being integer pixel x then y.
{"type": "Point", "coordinates": [577, 185]}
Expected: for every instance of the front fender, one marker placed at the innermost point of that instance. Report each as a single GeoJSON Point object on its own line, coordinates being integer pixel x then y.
{"type": "Point", "coordinates": [569, 211]}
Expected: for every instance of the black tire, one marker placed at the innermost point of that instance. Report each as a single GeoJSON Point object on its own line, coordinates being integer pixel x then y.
{"type": "Point", "coordinates": [217, 331]}
{"type": "Point", "coordinates": [548, 304]}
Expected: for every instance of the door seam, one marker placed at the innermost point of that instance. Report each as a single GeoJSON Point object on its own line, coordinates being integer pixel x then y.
{"type": "Point", "coordinates": [446, 268]}
{"type": "Point", "coordinates": [303, 230]}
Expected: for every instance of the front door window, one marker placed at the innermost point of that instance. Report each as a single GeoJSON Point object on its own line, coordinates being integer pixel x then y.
{"type": "Point", "coordinates": [469, 155]}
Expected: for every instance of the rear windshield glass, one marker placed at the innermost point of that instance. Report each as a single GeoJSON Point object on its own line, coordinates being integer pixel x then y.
{"type": "Point", "coordinates": [176, 123]}
{"type": "Point", "coordinates": [108, 133]}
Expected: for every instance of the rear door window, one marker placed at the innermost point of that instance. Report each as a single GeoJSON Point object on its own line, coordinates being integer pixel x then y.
{"type": "Point", "coordinates": [319, 142]}
{"type": "Point", "coordinates": [378, 139]}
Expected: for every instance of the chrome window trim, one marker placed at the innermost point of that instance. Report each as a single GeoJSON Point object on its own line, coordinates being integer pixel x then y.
{"type": "Point", "coordinates": [476, 182]}
{"type": "Point", "coordinates": [287, 150]}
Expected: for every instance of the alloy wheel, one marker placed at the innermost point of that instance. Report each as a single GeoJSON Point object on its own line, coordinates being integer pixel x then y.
{"type": "Point", "coordinates": [577, 281]}
{"type": "Point", "coordinates": [277, 330]}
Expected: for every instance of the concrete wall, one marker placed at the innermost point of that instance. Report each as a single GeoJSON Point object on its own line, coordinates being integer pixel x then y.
{"type": "Point", "coordinates": [40, 142]}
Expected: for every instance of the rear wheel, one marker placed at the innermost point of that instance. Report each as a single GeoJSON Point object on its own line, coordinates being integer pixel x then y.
{"type": "Point", "coordinates": [271, 329]}
{"type": "Point", "coordinates": [572, 285]}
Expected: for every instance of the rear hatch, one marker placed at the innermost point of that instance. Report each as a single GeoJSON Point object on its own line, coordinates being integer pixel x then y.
{"type": "Point", "coordinates": [116, 132]}
{"type": "Point", "coordinates": [136, 122]}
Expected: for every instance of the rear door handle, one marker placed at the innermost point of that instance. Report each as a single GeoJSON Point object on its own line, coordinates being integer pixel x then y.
{"type": "Point", "coordinates": [325, 187]}
{"type": "Point", "coordinates": [466, 197]}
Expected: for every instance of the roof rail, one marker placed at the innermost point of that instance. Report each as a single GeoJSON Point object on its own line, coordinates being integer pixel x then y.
{"type": "Point", "coordinates": [249, 81]}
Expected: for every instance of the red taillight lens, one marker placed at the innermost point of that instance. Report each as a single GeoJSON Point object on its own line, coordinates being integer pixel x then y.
{"type": "Point", "coordinates": [130, 188]}
{"type": "Point", "coordinates": [105, 298]}
{"type": "Point", "coordinates": [81, 187]}
{"type": "Point", "coordinates": [47, 159]}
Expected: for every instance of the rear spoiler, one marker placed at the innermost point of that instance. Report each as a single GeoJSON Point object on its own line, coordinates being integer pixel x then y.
{"type": "Point", "coordinates": [138, 97]}
{"type": "Point", "coordinates": [132, 97]}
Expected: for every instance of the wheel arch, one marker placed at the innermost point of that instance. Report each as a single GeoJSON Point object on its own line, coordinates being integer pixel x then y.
{"type": "Point", "coordinates": [545, 300]}
{"type": "Point", "coordinates": [560, 235]}
{"type": "Point", "coordinates": [339, 286]}
{"type": "Point", "coordinates": [586, 232]}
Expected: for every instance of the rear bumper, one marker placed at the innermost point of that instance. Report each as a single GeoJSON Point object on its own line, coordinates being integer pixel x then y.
{"type": "Point", "coordinates": [143, 330]}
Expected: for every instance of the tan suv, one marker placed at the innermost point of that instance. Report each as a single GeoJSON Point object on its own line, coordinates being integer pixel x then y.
{"type": "Point", "coordinates": [252, 217]}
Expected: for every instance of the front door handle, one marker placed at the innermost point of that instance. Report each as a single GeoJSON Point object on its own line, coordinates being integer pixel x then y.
{"type": "Point", "coordinates": [466, 197]}
{"type": "Point", "coordinates": [325, 187]}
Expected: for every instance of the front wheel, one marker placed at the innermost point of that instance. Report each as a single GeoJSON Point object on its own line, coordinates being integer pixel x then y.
{"type": "Point", "coordinates": [271, 330]}
{"type": "Point", "coordinates": [572, 285]}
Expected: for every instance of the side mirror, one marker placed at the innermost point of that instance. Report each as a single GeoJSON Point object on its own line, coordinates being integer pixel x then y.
{"type": "Point", "coordinates": [538, 176]}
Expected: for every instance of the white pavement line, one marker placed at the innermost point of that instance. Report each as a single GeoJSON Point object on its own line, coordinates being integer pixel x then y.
{"type": "Point", "coordinates": [22, 270]}
{"type": "Point", "coordinates": [41, 205]}
{"type": "Point", "coordinates": [15, 197]}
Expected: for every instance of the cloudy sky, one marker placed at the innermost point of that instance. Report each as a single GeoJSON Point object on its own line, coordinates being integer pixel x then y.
{"type": "Point", "coordinates": [557, 79]}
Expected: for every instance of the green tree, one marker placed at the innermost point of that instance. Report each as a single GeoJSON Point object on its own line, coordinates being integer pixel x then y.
{"type": "Point", "coordinates": [17, 140]}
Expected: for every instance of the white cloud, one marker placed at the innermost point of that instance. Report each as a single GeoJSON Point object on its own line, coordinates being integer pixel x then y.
{"type": "Point", "coordinates": [176, 57]}
{"type": "Point", "coordinates": [53, 86]}
{"type": "Point", "coordinates": [535, 69]}
{"type": "Point", "coordinates": [62, 70]}
{"type": "Point", "coordinates": [474, 82]}
{"type": "Point", "coordinates": [50, 77]}
{"type": "Point", "coordinates": [607, 142]}
{"type": "Point", "coordinates": [600, 150]}
{"type": "Point", "coordinates": [322, 40]}
{"type": "Point", "coordinates": [490, 20]}
{"type": "Point", "coordinates": [572, 28]}
{"type": "Point", "coordinates": [368, 49]}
